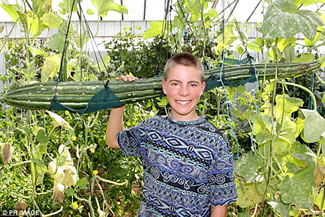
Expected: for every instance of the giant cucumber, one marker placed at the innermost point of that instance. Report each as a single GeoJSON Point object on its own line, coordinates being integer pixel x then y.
{"type": "Point", "coordinates": [77, 94]}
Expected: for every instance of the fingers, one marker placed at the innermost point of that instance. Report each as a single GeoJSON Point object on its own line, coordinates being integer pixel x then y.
{"type": "Point", "coordinates": [126, 78]}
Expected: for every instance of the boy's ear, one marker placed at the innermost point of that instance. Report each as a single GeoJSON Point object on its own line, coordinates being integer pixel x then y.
{"type": "Point", "coordinates": [203, 86]}
{"type": "Point", "coordinates": [164, 86]}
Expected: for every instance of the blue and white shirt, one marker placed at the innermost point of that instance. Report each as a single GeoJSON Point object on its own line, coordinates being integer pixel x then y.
{"type": "Point", "coordinates": [188, 166]}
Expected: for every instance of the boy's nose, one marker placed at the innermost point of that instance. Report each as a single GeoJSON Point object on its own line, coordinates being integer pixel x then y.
{"type": "Point", "coordinates": [183, 91]}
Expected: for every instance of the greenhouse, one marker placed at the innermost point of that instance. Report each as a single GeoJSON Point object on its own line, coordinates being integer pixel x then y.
{"type": "Point", "coordinates": [162, 108]}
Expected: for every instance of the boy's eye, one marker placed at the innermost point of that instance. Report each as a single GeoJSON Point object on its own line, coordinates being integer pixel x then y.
{"type": "Point", "coordinates": [174, 84]}
{"type": "Point", "coordinates": [193, 84]}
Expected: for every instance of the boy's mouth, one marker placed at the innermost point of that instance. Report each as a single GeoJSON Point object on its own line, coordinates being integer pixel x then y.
{"type": "Point", "coordinates": [183, 102]}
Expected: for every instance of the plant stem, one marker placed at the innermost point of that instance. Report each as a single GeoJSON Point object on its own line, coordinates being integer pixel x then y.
{"type": "Point", "coordinates": [50, 214]}
{"type": "Point", "coordinates": [321, 80]}
{"type": "Point", "coordinates": [305, 89]}
{"type": "Point", "coordinates": [20, 163]}
{"type": "Point", "coordinates": [111, 182]}
{"type": "Point", "coordinates": [19, 195]}
{"type": "Point", "coordinates": [323, 199]}
{"type": "Point", "coordinates": [88, 202]}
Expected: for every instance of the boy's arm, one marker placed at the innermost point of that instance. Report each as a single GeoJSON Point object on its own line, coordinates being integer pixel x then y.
{"type": "Point", "coordinates": [115, 122]}
{"type": "Point", "coordinates": [114, 126]}
{"type": "Point", "coordinates": [219, 211]}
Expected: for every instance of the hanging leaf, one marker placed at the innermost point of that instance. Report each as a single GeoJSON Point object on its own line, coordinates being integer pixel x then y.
{"type": "Point", "coordinates": [103, 6]}
{"type": "Point", "coordinates": [51, 67]}
{"type": "Point", "coordinates": [323, 98]}
{"type": "Point", "coordinates": [302, 195]}
{"type": "Point", "coordinates": [314, 125]}
{"type": "Point", "coordinates": [36, 26]}
{"type": "Point", "coordinates": [250, 193]}
{"type": "Point", "coordinates": [304, 178]}
{"type": "Point", "coordinates": [6, 153]}
{"type": "Point", "coordinates": [58, 192]}
{"type": "Point", "coordinates": [52, 20]}
{"type": "Point", "coordinates": [283, 20]}
{"type": "Point", "coordinates": [12, 10]}
{"type": "Point", "coordinates": [154, 30]}
{"type": "Point", "coordinates": [59, 121]}
{"type": "Point", "coordinates": [286, 105]}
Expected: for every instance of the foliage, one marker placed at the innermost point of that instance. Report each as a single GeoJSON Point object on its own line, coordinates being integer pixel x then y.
{"type": "Point", "coordinates": [125, 49]}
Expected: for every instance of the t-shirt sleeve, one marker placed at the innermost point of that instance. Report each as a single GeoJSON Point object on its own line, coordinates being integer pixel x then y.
{"type": "Point", "coordinates": [222, 186]}
{"type": "Point", "coordinates": [129, 142]}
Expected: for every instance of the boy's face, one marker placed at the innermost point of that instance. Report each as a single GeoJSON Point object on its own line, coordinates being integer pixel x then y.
{"type": "Point", "coordinates": [183, 88]}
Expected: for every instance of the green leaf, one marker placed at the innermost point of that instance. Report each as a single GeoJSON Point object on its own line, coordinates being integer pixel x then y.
{"type": "Point", "coordinates": [40, 7]}
{"type": "Point", "coordinates": [36, 26]}
{"type": "Point", "coordinates": [281, 20]}
{"type": "Point", "coordinates": [314, 125]}
{"type": "Point", "coordinates": [212, 13]}
{"type": "Point", "coordinates": [90, 12]}
{"type": "Point", "coordinates": [323, 98]}
{"type": "Point", "coordinates": [82, 183]}
{"type": "Point", "coordinates": [278, 206]}
{"type": "Point", "coordinates": [41, 135]}
{"type": "Point", "coordinates": [69, 191]}
{"type": "Point", "coordinates": [195, 10]}
{"type": "Point", "coordinates": [304, 58]}
{"type": "Point", "coordinates": [66, 6]}
{"type": "Point", "coordinates": [302, 161]}
{"type": "Point", "coordinates": [36, 51]}
{"type": "Point", "coordinates": [81, 40]}
{"type": "Point", "coordinates": [250, 194]}
{"type": "Point", "coordinates": [154, 30]}
{"type": "Point", "coordinates": [59, 121]}
{"type": "Point", "coordinates": [57, 42]}
{"type": "Point", "coordinates": [283, 43]}
{"type": "Point", "coordinates": [247, 167]}
{"type": "Point", "coordinates": [298, 189]}
{"type": "Point", "coordinates": [12, 10]}
{"type": "Point", "coordinates": [309, 2]}
{"type": "Point", "coordinates": [52, 20]}
{"type": "Point", "coordinates": [286, 105]}
{"type": "Point", "coordinates": [103, 6]}
{"type": "Point", "coordinates": [310, 43]}
{"type": "Point", "coordinates": [51, 67]}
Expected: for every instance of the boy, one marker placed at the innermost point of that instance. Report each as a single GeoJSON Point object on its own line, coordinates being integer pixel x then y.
{"type": "Point", "coordinates": [188, 165]}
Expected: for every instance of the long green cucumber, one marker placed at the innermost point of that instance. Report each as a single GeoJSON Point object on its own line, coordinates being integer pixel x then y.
{"type": "Point", "coordinates": [77, 94]}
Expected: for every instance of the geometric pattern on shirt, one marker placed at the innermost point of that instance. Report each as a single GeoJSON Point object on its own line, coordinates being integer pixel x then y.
{"type": "Point", "coordinates": [187, 166]}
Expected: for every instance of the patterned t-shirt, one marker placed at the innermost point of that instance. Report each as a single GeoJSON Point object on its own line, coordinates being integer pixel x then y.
{"type": "Point", "coordinates": [188, 166]}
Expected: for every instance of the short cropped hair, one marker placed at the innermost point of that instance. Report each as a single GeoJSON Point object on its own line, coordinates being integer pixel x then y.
{"type": "Point", "coordinates": [185, 59]}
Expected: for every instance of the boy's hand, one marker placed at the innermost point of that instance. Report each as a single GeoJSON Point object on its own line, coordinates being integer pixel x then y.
{"type": "Point", "coordinates": [126, 78]}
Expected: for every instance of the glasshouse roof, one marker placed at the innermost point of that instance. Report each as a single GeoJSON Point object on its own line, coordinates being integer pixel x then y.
{"type": "Point", "coordinates": [155, 9]}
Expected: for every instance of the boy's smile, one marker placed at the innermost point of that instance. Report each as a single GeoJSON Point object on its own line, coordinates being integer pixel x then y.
{"type": "Point", "coordinates": [183, 88]}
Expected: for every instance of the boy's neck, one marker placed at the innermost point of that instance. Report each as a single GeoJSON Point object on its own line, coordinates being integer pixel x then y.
{"type": "Point", "coordinates": [177, 117]}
